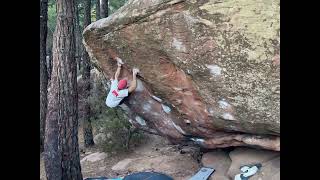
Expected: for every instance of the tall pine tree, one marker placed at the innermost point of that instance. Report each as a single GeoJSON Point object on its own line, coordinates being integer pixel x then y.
{"type": "Point", "coordinates": [98, 10]}
{"type": "Point", "coordinates": [103, 8]}
{"type": "Point", "coordinates": [78, 34]}
{"type": "Point", "coordinates": [62, 161]}
{"type": "Point", "coordinates": [87, 128]}
{"type": "Point", "coordinates": [43, 68]}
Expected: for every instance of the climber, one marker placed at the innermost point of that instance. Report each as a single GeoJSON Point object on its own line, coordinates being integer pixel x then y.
{"type": "Point", "coordinates": [118, 90]}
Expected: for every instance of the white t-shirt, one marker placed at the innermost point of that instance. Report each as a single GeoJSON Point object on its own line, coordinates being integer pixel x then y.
{"type": "Point", "coordinates": [115, 96]}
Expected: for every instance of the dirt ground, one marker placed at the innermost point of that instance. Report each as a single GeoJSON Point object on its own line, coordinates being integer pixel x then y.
{"type": "Point", "coordinates": [154, 154]}
{"type": "Point", "coordinates": [180, 162]}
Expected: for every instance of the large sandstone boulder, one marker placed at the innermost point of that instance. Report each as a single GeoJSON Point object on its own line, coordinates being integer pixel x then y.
{"type": "Point", "coordinates": [209, 69]}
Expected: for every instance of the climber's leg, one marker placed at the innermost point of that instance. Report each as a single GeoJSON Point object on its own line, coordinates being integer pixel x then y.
{"type": "Point", "coordinates": [124, 99]}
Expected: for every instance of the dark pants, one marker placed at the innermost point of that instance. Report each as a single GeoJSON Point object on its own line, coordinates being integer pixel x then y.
{"type": "Point", "coordinates": [124, 99]}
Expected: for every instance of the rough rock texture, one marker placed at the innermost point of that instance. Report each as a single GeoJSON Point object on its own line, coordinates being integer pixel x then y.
{"type": "Point", "coordinates": [209, 69]}
{"type": "Point", "coordinates": [270, 170]}
{"type": "Point", "coordinates": [220, 161]}
{"type": "Point", "coordinates": [247, 156]}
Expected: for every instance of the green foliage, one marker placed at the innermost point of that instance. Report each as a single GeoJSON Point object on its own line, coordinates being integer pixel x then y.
{"type": "Point", "coordinates": [51, 23]}
{"type": "Point", "coordinates": [52, 14]}
{"type": "Point", "coordinates": [120, 134]}
{"type": "Point", "coordinates": [115, 5]}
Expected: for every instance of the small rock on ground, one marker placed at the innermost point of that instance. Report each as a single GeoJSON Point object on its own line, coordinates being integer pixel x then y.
{"type": "Point", "coordinates": [94, 157]}
{"type": "Point", "coordinates": [87, 153]}
{"type": "Point", "coordinates": [122, 165]}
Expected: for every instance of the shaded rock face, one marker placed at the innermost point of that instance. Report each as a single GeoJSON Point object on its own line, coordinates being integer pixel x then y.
{"type": "Point", "coordinates": [209, 69]}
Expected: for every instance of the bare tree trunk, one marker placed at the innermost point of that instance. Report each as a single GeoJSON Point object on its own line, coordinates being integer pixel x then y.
{"type": "Point", "coordinates": [78, 31]}
{"type": "Point", "coordinates": [62, 161]}
{"type": "Point", "coordinates": [98, 10]}
{"type": "Point", "coordinates": [103, 8]}
{"type": "Point", "coordinates": [87, 128]}
{"type": "Point", "coordinates": [49, 64]}
{"type": "Point", "coordinates": [43, 69]}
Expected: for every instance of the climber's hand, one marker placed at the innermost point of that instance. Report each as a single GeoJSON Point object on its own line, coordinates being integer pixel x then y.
{"type": "Point", "coordinates": [119, 64]}
{"type": "Point", "coordinates": [135, 71]}
{"type": "Point", "coordinates": [119, 61]}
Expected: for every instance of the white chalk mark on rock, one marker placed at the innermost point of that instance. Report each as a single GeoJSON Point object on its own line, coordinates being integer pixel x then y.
{"type": "Point", "coordinates": [178, 45]}
{"type": "Point", "coordinates": [214, 69]}
{"type": "Point", "coordinates": [178, 128]}
{"type": "Point", "coordinates": [177, 89]}
{"type": "Point", "coordinates": [187, 121]}
{"type": "Point", "coordinates": [166, 108]}
{"type": "Point", "coordinates": [157, 99]}
{"type": "Point", "coordinates": [223, 104]}
{"type": "Point", "coordinates": [228, 116]}
{"type": "Point", "coordinates": [211, 111]}
{"type": "Point", "coordinates": [146, 107]}
{"type": "Point", "coordinates": [197, 140]}
{"type": "Point", "coordinates": [140, 120]}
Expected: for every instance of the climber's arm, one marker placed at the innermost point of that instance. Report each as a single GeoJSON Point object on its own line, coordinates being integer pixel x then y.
{"type": "Point", "coordinates": [133, 84]}
{"type": "Point", "coordinates": [116, 75]}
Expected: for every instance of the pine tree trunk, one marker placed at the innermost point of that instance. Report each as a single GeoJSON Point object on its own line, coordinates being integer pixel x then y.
{"type": "Point", "coordinates": [49, 64]}
{"type": "Point", "coordinates": [78, 31]}
{"type": "Point", "coordinates": [62, 161]}
{"type": "Point", "coordinates": [98, 10]}
{"type": "Point", "coordinates": [103, 8]}
{"type": "Point", "coordinates": [43, 69]}
{"type": "Point", "coordinates": [87, 128]}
